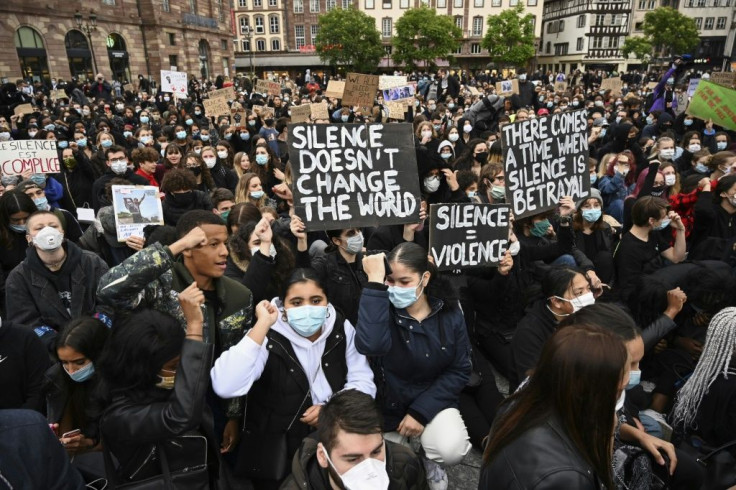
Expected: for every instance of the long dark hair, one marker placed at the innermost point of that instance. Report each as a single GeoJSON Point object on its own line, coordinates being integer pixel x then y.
{"type": "Point", "coordinates": [12, 202]}
{"type": "Point", "coordinates": [415, 258]}
{"type": "Point", "coordinates": [299, 276]}
{"type": "Point", "coordinates": [285, 260]}
{"type": "Point", "coordinates": [558, 280]}
{"type": "Point", "coordinates": [576, 380]}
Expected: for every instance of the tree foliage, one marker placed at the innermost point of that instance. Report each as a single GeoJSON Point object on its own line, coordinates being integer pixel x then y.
{"type": "Point", "coordinates": [349, 37]}
{"type": "Point", "coordinates": [422, 37]}
{"type": "Point", "coordinates": [639, 46]}
{"type": "Point", "coordinates": [509, 38]}
{"type": "Point", "coordinates": [670, 32]}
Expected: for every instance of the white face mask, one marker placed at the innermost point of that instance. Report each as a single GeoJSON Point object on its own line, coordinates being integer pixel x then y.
{"type": "Point", "coordinates": [369, 474]}
{"type": "Point", "coordinates": [222, 154]}
{"type": "Point", "coordinates": [432, 184]}
{"type": "Point", "coordinates": [667, 153]}
{"type": "Point", "coordinates": [579, 302]}
{"type": "Point", "coordinates": [48, 239]}
{"type": "Point", "coordinates": [210, 162]}
{"type": "Point", "coordinates": [670, 179]}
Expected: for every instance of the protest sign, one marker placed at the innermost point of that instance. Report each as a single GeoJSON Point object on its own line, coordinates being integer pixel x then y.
{"type": "Point", "coordinates": [724, 78]}
{"type": "Point", "coordinates": [391, 81]}
{"type": "Point", "coordinates": [257, 109]}
{"type": "Point", "coordinates": [239, 118]}
{"type": "Point", "coordinates": [58, 94]}
{"type": "Point", "coordinates": [546, 159]}
{"type": "Point", "coordinates": [613, 84]}
{"type": "Point", "coordinates": [300, 113]}
{"type": "Point", "coordinates": [560, 86]}
{"type": "Point", "coordinates": [507, 87]}
{"type": "Point", "coordinates": [38, 156]}
{"type": "Point", "coordinates": [651, 85]}
{"type": "Point", "coordinates": [395, 110]}
{"type": "Point", "coordinates": [319, 111]}
{"type": "Point", "coordinates": [397, 94]}
{"type": "Point", "coordinates": [227, 93]}
{"type": "Point", "coordinates": [128, 87]}
{"type": "Point", "coordinates": [712, 101]}
{"type": "Point", "coordinates": [360, 90]}
{"type": "Point", "coordinates": [23, 109]}
{"type": "Point", "coordinates": [354, 175]}
{"type": "Point", "coordinates": [464, 235]}
{"type": "Point", "coordinates": [174, 82]}
{"type": "Point", "coordinates": [692, 86]}
{"type": "Point", "coordinates": [135, 207]}
{"type": "Point", "coordinates": [216, 107]}
{"type": "Point", "coordinates": [268, 87]}
{"type": "Point", "coordinates": [335, 89]}
{"type": "Point", "coordinates": [473, 91]}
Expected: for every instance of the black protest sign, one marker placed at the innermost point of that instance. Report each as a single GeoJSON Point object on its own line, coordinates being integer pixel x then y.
{"type": "Point", "coordinates": [545, 159]}
{"type": "Point", "coordinates": [465, 235]}
{"type": "Point", "coordinates": [354, 175]}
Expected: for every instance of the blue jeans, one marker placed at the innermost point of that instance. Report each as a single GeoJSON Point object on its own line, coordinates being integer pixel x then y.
{"type": "Point", "coordinates": [565, 260]}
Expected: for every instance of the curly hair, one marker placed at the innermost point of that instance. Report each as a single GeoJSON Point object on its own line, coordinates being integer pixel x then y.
{"type": "Point", "coordinates": [178, 179]}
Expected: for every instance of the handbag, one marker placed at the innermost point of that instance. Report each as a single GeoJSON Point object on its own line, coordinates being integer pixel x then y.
{"type": "Point", "coordinates": [719, 464]}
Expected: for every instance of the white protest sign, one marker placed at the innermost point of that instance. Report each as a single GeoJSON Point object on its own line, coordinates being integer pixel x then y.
{"type": "Point", "coordinates": [391, 81]}
{"type": "Point", "coordinates": [174, 82]}
{"type": "Point", "coordinates": [692, 86]}
{"type": "Point", "coordinates": [135, 208]}
{"type": "Point", "coordinates": [38, 156]}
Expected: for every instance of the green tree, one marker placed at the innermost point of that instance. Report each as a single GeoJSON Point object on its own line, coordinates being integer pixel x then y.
{"type": "Point", "coordinates": [509, 38]}
{"type": "Point", "coordinates": [639, 46]}
{"type": "Point", "coordinates": [670, 32]}
{"type": "Point", "coordinates": [422, 37]}
{"type": "Point", "coordinates": [349, 37]}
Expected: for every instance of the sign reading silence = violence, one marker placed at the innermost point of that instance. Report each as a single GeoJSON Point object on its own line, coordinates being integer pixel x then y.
{"type": "Point", "coordinates": [545, 159]}
{"type": "Point", "coordinates": [354, 175]}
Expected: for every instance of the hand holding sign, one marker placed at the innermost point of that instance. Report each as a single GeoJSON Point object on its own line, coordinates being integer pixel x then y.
{"type": "Point", "coordinates": [567, 206]}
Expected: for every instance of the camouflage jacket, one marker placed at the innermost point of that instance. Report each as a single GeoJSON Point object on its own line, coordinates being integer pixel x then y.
{"type": "Point", "coordinates": [152, 278]}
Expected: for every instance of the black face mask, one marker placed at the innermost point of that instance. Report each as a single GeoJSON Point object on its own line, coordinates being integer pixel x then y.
{"type": "Point", "coordinates": [269, 122]}
{"type": "Point", "coordinates": [195, 170]}
{"type": "Point", "coordinates": [181, 199]}
{"type": "Point", "coordinates": [658, 191]}
{"type": "Point", "coordinates": [482, 157]}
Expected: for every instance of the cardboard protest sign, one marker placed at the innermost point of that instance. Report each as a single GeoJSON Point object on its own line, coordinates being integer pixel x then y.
{"type": "Point", "coordinates": [239, 118]}
{"type": "Point", "coordinates": [473, 91]}
{"type": "Point", "coordinates": [724, 78]}
{"type": "Point", "coordinates": [464, 235]}
{"type": "Point", "coordinates": [128, 87]}
{"type": "Point", "coordinates": [560, 86]}
{"type": "Point", "coordinates": [391, 81]}
{"type": "Point", "coordinates": [354, 175]}
{"type": "Point", "coordinates": [58, 94]}
{"type": "Point", "coordinates": [257, 109]}
{"type": "Point", "coordinates": [335, 89]}
{"type": "Point", "coordinates": [38, 156]}
{"type": "Point", "coordinates": [135, 207]}
{"type": "Point", "coordinates": [174, 82]}
{"type": "Point", "coordinates": [360, 90]}
{"type": "Point", "coordinates": [712, 101]}
{"type": "Point", "coordinates": [651, 85]}
{"type": "Point", "coordinates": [692, 86]}
{"type": "Point", "coordinates": [613, 84]}
{"type": "Point", "coordinates": [23, 109]}
{"type": "Point", "coordinates": [301, 113]}
{"type": "Point", "coordinates": [268, 87]}
{"type": "Point", "coordinates": [546, 159]}
{"type": "Point", "coordinates": [227, 93]}
{"type": "Point", "coordinates": [395, 110]}
{"type": "Point", "coordinates": [216, 107]}
{"type": "Point", "coordinates": [319, 111]}
{"type": "Point", "coordinates": [397, 94]}
{"type": "Point", "coordinates": [507, 87]}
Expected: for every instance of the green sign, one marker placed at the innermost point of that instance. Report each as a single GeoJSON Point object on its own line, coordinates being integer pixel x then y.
{"type": "Point", "coordinates": [713, 101]}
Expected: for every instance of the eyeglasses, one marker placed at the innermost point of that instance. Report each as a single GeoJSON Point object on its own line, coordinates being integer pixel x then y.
{"type": "Point", "coordinates": [119, 160]}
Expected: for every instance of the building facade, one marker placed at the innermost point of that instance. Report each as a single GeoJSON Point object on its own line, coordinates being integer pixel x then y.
{"type": "Point", "coordinates": [118, 38]}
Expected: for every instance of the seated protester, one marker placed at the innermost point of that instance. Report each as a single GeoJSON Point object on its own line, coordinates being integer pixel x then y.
{"type": "Point", "coordinates": [69, 223]}
{"type": "Point", "coordinates": [102, 238]}
{"type": "Point", "coordinates": [145, 161]}
{"type": "Point", "coordinates": [714, 229]}
{"type": "Point", "coordinates": [415, 329]}
{"type": "Point", "coordinates": [182, 195]}
{"type": "Point", "coordinates": [617, 183]}
{"type": "Point", "coordinates": [536, 442]}
{"type": "Point", "coordinates": [474, 157]}
{"type": "Point", "coordinates": [672, 180]}
{"type": "Point", "coordinates": [195, 164]}
{"type": "Point", "coordinates": [267, 167]}
{"type": "Point", "coordinates": [117, 166]}
{"type": "Point", "coordinates": [690, 144]}
{"type": "Point", "coordinates": [172, 158]}
{"type": "Point", "coordinates": [73, 392]}
{"type": "Point", "coordinates": [593, 236]}
{"type": "Point", "coordinates": [239, 215]}
{"type": "Point", "coordinates": [55, 283]}
{"type": "Point", "coordinates": [426, 139]}
{"type": "Point", "coordinates": [565, 291]}
{"type": "Point", "coordinates": [446, 151]}
{"type": "Point", "coordinates": [723, 163]}
{"type": "Point", "coordinates": [643, 248]}
{"type": "Point", "coordinates": [654, 307]}
{"type": "Point", "coordinates": [250, 189]}
{"type": "Point", "coordinates": [719, 141]}
{"type": "Point", "coordinates": [260, 260]}
{"type": "Point", "coordinates": [301, 344]}
{"type": "Point", "coordinates": [77, 176]}
{"type": "Point", "coordinates": [157, 377]}
{"type": "Point", "coordinates": [223, 176]}
{"type": "Point", "coordinates": [649, 183]}
{"type": "Point", "coordinates": [468, 183]}
{"type": "Point", "coordinates": [492, 184]}
{"type": "Point", "coordinates": [15, 208]}
{"type": "Point", "coordinates": [25, 359]}
{"type": "Point", "coordinates": [222, 202]}
{"type": "Point", "coordinates": [683, 202]}
{"type": "Point", "coordinates": [53, 190]}
{"type": "Point", "coordinates": [46, 466]}
{"type": "Point", "coordinates": [350, 451]}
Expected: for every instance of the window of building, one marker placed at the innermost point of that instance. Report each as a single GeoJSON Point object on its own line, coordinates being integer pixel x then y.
{"type": "Point", "coordinates": [613, 42]}
{"type": "Point", "coordinates": [313, 31]}
{"type": "Point", "coordinates": [273, 23]}
{"type": "Point", "coordinates": [260, 44]}
{"type": "Point", "coordinates": [314, 5]}
{"type": "Point", "coordinates": [259, 25]}
{"type": "Point", "coordinates": [477, 26]}
{"type": "Point", "coordinates": [404, 4]}
{"type": "Point", "coordinates": [580, 44]}
{"type": "Point", "coordinates": [243, 4]}
{"type": "Point", "coordinates": [702, 3]}
{"type": "Point", "coordinates": [478, 3]}
{"type": "Point", "coordinates": [193, 6]}
{"type": "Point", "coordinates": [298, 6]}
{"type": "Point", "coordinates": [550, 27]}
{"type": "Point", "coordinates": [457, 4]}
{"type": "Point", "coordinates": [172, 39]}
{"type": "Point", "coordinates": [330, 4]}
{"type": "Point", "coordinates": [459, 21]}
{"type": "Point", "coordinates": [386, 27]}
{"type": "Point", "coordinates": [531, 3]}
{"type": "Point", "coordinates": [639, 26]}
{"type": "Point", "coordinates": [709, 21]}
{"type": "Point", "coordinates": [173, 60]}
{"type": "Point", "coordinates": [223, 45]}
{"type": "Point", "coordinates": [273, 3]}
{"type": "Point", "coordinates": [616, 19]}
{"type": "Point", "coordinates": [370, 4]}
{"type": "Point", "coordinates": [495, 3]}
{"type": "Point", "coordinates": [548, 49]}
{"type": "Point", "coordinates": [459, 49]}
{"type": "Point", "coordinates": [441, 4]}
{"type": "Point", "coordinates": [387, 4]}
{"type": "Point", "coordinates": [581, 21]}
{"type": "Point", "coordinates": [600, 19]}
{"type": "Point", "coordinates": [299, 36]}
{"type": "Point", "coordinates": [699, 22]}
{"type": "Point", "coordinates": [721, 23]}
{"type": "Point", "coordinates": [244, 24]}
{"type": "Point", "coordinates": [275, 45]}
{"type": "Point", "coordinates": [246, 44]}
{"type": "Point", "coordinates": [475, 48]}
{"type": "Point", "coordinates": [597, 42]}
{"type": "Point", "coordinates": [346, 4]}
{"type": "Point", "coordinates": [513, 3]}
{"type": "Point", "coordinates": [388, 50]}
{"type": "Point", "coordinates": [562, 26]}
{"type": "Point", "coordinates": [560, 49]}
{"type": "Point", "coordinates": [108, 2]}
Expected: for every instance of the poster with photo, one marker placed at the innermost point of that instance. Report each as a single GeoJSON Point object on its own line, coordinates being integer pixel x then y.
{"type": "Point", "coordinates": [135, 207]}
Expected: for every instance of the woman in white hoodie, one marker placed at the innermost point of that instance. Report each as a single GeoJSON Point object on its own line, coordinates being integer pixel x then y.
{"type": "Point", "coordinates": [298, 354]}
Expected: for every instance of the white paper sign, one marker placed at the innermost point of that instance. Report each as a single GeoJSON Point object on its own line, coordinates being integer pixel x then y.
{"type": "Point", "coordinates": [38, 156]}
{"type": "Point", "coordinates": [174, 82]}
{"type": "Point", "coordinates": [135, 207]}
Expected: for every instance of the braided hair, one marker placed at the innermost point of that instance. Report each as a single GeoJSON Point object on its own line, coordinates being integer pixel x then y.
{"type": "Point", "coordinates": [714, 361]}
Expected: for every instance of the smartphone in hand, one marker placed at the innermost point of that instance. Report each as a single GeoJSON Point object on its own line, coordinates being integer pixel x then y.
{"type": "Point", "coordinates": [71, 433]}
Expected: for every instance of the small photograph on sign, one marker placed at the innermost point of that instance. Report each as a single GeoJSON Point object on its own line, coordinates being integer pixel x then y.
{"type": "Point", "coordinates": [135, 208]}
{"type": "Point", "coordinates": [398, 93]}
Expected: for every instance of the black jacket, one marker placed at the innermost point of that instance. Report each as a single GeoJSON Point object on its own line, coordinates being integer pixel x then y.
{"type": "Point", "coordinates": [344, 281]}
{"type": "Point", "coordinates": [405, 470]}
{"type": "Point", "coordinates": [99, 199]}
{"type": "Point", "coordinates": [224, 177]}
{"type": "Point", "coordinates": [533, 330]}
{"type": "Point", "coordinates": [542, 458]}
{"type": "Point", "coordinates": [77, 184]}
{"type": "Point", "coordinates": [59, 391]}
{"type": "Point", "coordinates": [174, 211]}
{"type": "Point", "coordinates": [24, 360]}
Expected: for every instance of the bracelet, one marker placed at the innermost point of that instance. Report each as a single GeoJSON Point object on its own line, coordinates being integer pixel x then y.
{"type": "Point", "coordinates": [194, 335]}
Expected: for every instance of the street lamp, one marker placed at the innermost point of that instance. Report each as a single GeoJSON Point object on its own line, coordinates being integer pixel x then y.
{"type": "Point", "coordinates": [88, 26]}
{"type": "Point", "coordinates": [249, 34]}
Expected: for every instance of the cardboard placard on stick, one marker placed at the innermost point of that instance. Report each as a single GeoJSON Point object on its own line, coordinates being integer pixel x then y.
{"type": "Point", "coordinates": [268, 87]}
{"type": "Point", "coordinates": [227, 93]}
{"type": "Point", "coordinates": [128, 87]}
{"type": "Point", "coordinates": [238, 118]}
{"type": "Point", "coordinates": [38, 156]}
{"type": "Point", "coordinates": [23, 109]}
{"type": "Point", "coordinates": [135, 207]}
{"type": "Point", "coordinates": [58, 94]}
{"type": "Point", "coordinates": [473, 91]}
{"type": "Point", "coordinates": [546, 159]}
{"type": "Point", "coordinates": [335, 89]}
{"type": "Point", "coordinates": [613, 84]}
{"type": "Point", "coordinates": [724, 78]}
{"type": "Point", "coordinates": [301, 113]}
{"type": "Point", "coordinates": [354, 175]}
{"type": "Point", "coordinates": [507, 87]}
{"type": "Point", "coordinates": [395, 110]}
{"type": "Point", "coordinates": [465, 235]}
{"type": "Point", "coordinates": [713, 101]}
{"type": "Point", "coordinates": [216, 107]}
{"type": "Point", "coordinates": [320, 111]}
{"type": "Point", "coordinates": [360, 89]}
{"type": "Point", "coordinates": [651, 85]}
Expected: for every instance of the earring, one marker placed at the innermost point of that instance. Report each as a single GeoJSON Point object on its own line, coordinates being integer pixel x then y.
{"type": "Point", "coordinates": [283, 315]}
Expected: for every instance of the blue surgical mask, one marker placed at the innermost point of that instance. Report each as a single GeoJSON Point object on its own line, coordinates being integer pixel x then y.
{"type": "Point", "coordinates": [593, 178]}
{"type": "Point", "coordinates": [721, 145]}
{"type": "Point", "coordinates": [144, 119]}
{"type": "Point", "coordinates": [404, 297]}
{"type": "Point", "coordinates": [445, 156]}
{"type": "Point", "coordinates": [83, 374]}
{"type": "Point", "coordinates": [106, 143]}
{"type": "Point", "coordinates": [204, 137]}
{"type": "Point", "coordinates": [189, 121]}
{"type": "Point", "coordinates": [498, 192]}
{"type": "Point", "coordinates": [591, 215]}
{"type": "Point", "coordinates": [228, 136]}
{"type": "Point", "coordinates": [181, 135]}
{"type": "Point", "coordinates": [38, 179]}
{"type": "Point", "coordinates": [62, 144]}
{"type": "Point", "coordinates": [146, 139]}
{"type": "Point", "coordinates": [634, 379]}
{"type": "Point", "coordinates": [539, 229]}
{"type": "Point", "coordinates": [245, 136]}
{"type": "Point", "coordinates": [687, 122]}
{"type": "Point", "coordinates": [261, 159]}
{"type": "Point", "coordinates": [650, 120]}
{"type": "Point", "coordinates": [701, 168]}
{"type": "Point", "coordinates": [603, 132]}
{"type": "Point", "coordinates": [82, 143]}
{"type": "Point", "coordinates": [252, 122]}
{"type": "Point", "coordinates": [344, 118]}
{"type": "Point", "coordinates": [42, 204]}
{"type": "Point", "coordinates": [49, 127]}
{"type": "Point", "coordinates": [18, 228]}
{"type": "Point", "coordinates": [256, 194]}
{"type": "Point", "coordinates": [306, 320]}
{"type": "Point", "coordinates": [664, 224]}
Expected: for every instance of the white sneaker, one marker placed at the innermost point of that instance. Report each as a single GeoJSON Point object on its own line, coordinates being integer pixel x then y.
{"type": "Point", "coordinates": [436, 475]}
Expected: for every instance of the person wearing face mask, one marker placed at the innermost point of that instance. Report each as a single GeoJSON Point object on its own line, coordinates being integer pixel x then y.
{"type": "Point", "coordinates": [76, 177]}
{"type": "Point", "coordinates": [717, 141]}
{"type": "Point", "coordinates": [702, 165]}
{"type": "Point", "coordinates": [222, 176]}
{"type": "Point", "coordinates": [350, 425]}
{"type": "Point", "coordinates": [617, 183]}
{"type": "Point", "coordinates": [526, 96]}
{"type": "Point", "coordinates": [250, 190]}
{"type": "Point", "coordinates": [199, 117]}
{"type": "Point", "coordinates": [55, 283]}
{"type": "Point", "coordinates": [182, 195]}
{"type": "Point", "coordinates": [690, 144]}
{"type": "Point", "coordinates": [195, 164]}
{"type": "Point", "coordinates": [492, 184]}
{"type": "Point", "coordinates": [415, 327]}
{"type": "Point", "coordinates": [15, 208]}
{"type": "Point", "coordinates": [715, 219]}
{"type": "Point", "coordinates": [145, 161]}
{"type": "Point", "coordinates": [72, 230]}
{"type": "Point", "coordinates": [304, 345]}
{"type": "Point", "coordinates": [593, 236]}
{"type": "Point", "coordinates": [117, 166]}
{"type": "Point", "coordinates": [425, 139]}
